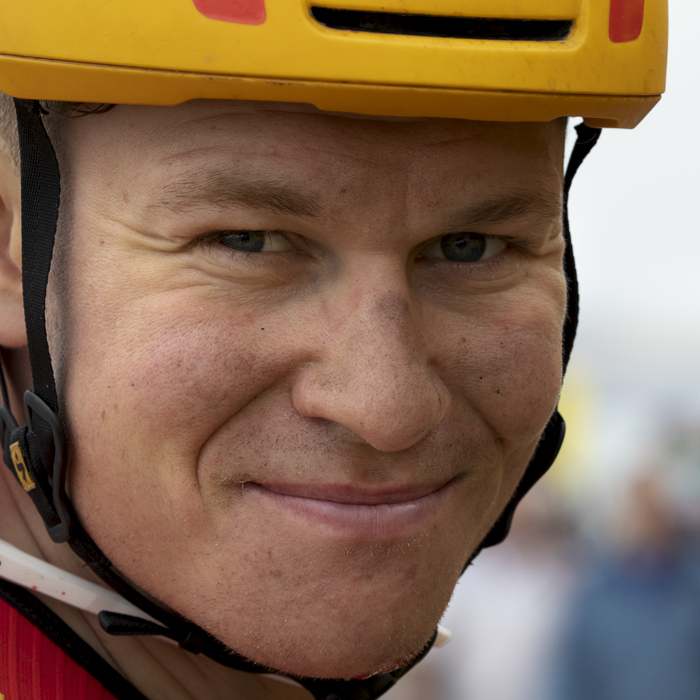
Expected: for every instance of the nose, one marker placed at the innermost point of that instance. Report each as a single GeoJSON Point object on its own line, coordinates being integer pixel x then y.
{"type": "Point", "coordinates": [373, 373]}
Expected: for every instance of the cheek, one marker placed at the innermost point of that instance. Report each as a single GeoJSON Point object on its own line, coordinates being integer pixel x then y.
{"type": "Point", "coordinates": [141, 412]}
{"type": "Point", "coordinates": [508, 366]}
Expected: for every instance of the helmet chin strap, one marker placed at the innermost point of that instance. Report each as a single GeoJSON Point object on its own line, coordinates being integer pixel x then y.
{"type": "Point", "coordinates": [37, 575]}
{"type": "Point", "coordinates": [553, 435]}
{"type": "Point", "coordinates": [36, 453]}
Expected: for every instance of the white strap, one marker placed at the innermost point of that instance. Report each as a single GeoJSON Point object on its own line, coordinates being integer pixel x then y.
{"type": "Point", "coordinates": [37, 575]}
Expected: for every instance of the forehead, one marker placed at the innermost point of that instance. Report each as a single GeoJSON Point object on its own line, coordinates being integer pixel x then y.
{"type": "Point", "coordinates": [143, 150]}
{"type": "Point", "coordinates": [128, 129]}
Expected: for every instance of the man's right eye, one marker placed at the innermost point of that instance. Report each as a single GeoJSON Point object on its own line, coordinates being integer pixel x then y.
{"type": "Point", "coordinates": [255, 241]}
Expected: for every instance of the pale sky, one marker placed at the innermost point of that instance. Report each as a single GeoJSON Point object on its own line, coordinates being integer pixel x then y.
{"type": "Point", "coordinates": [637, 240]}
{"type": "Point", "coordinates": [634, 218]}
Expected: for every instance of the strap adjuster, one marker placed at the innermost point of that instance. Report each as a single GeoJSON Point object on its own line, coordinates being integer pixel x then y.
{"type": "Point", "coordinates": [34, 408]}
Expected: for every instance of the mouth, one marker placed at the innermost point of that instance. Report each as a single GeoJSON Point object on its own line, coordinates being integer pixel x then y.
{"type": "Point", "coordinates": [359, 513]}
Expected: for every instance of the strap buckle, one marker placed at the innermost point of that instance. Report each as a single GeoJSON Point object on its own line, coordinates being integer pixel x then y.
{"type": "Point", "coordinates": [33, 407]}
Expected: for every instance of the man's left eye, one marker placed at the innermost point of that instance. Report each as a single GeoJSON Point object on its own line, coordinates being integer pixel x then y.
{"type": "Point", "coordinates": [255, 241]}
{"type": "Point", "coordinates": [466, 247]}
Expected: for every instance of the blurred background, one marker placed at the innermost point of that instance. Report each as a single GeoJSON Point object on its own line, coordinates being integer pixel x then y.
{"type": "Point", "coordinates": [596, 593]}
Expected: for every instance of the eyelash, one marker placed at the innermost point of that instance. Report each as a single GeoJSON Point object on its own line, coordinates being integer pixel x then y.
{"type": "Point", "coordinates": [476, 270]}
{"type": "Point", "coordinates": [507, 262]}
{"type": "Point", "coordinates": [511, 244]}
{"type": "Point", "coordinates": [212, 241]}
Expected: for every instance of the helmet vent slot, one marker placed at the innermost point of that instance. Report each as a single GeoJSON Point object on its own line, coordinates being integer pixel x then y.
{"type": "Point", "coordinates": [498, 29]}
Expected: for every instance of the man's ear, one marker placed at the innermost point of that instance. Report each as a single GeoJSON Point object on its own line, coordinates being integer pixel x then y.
{"type": "Point", "coordinates": [12, 329]}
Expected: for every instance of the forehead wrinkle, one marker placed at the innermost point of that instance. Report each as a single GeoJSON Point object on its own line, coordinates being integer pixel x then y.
{"type": "Point", "coordinates": [541, 203]}
{"type": "Point", "coordinates": [228, 188]}
{"type": "Point", "coordinates": [353, 138]}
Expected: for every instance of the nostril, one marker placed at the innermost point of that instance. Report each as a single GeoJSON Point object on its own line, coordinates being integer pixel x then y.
{"type": "Point", "coordinates": [376, 410]}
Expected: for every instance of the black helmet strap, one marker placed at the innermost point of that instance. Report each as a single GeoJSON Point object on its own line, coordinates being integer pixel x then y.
{"type": "Point", "coordinates": [553, 435]}
{"type": "Point", "coordinates": [35, 452]}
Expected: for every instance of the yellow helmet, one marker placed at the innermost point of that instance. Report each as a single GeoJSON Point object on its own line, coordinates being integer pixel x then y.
{"type": "Point", "coordinates": [499, 60]}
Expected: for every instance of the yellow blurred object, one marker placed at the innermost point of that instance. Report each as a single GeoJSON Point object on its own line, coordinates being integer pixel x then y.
{"type": "Point", "coordinates": [499, 60]}
{"type": "Point", "coordinates": [575, 465]}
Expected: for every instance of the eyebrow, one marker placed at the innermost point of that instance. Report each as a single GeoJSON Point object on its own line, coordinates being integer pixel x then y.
{"type": "Point", "coordinates": [541, 203]}
{"type": "Point", "coordinates": [229, 189]}
{"type": "Point", "coordinates": [223, 188]}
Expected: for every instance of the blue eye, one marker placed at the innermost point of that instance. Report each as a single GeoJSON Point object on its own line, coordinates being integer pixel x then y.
{"type": "Point", "coordinates": [463, 247]}
{"type": "Point", "coordinates": [255, 241]}
{"type": "Point", "coordinates": [246, 241]}
{"type": "Point", "coordinates": [466, 247]}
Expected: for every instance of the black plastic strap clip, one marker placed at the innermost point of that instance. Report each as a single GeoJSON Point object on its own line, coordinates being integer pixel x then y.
{"type": "Point", "coordinates": [45, 483]}
{"type": "Point", "coordinates": [120, 625]}
{"type": "Point", "coordinates": [35, 407]}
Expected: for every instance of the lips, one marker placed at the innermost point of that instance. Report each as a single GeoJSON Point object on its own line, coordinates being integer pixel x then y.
{"type": "Point", "coordinates": [355, 512]}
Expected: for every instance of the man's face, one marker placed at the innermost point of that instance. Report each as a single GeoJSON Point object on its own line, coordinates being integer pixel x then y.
{"type": "Point", "coordinates": [310, 358]}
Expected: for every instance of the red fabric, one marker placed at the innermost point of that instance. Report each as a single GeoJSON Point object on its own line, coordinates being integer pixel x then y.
{"type": "Point", "coordinates": [32, 667]}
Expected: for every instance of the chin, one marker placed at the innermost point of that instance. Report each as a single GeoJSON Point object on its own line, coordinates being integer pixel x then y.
{"type": "Point", "coordinates": [328, 665]}
{"type": "Point", "coordinates": [338, 656]}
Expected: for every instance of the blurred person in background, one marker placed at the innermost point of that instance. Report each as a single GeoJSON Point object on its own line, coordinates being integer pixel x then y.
{"type": "Point", "coordinates": [634, 628]}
